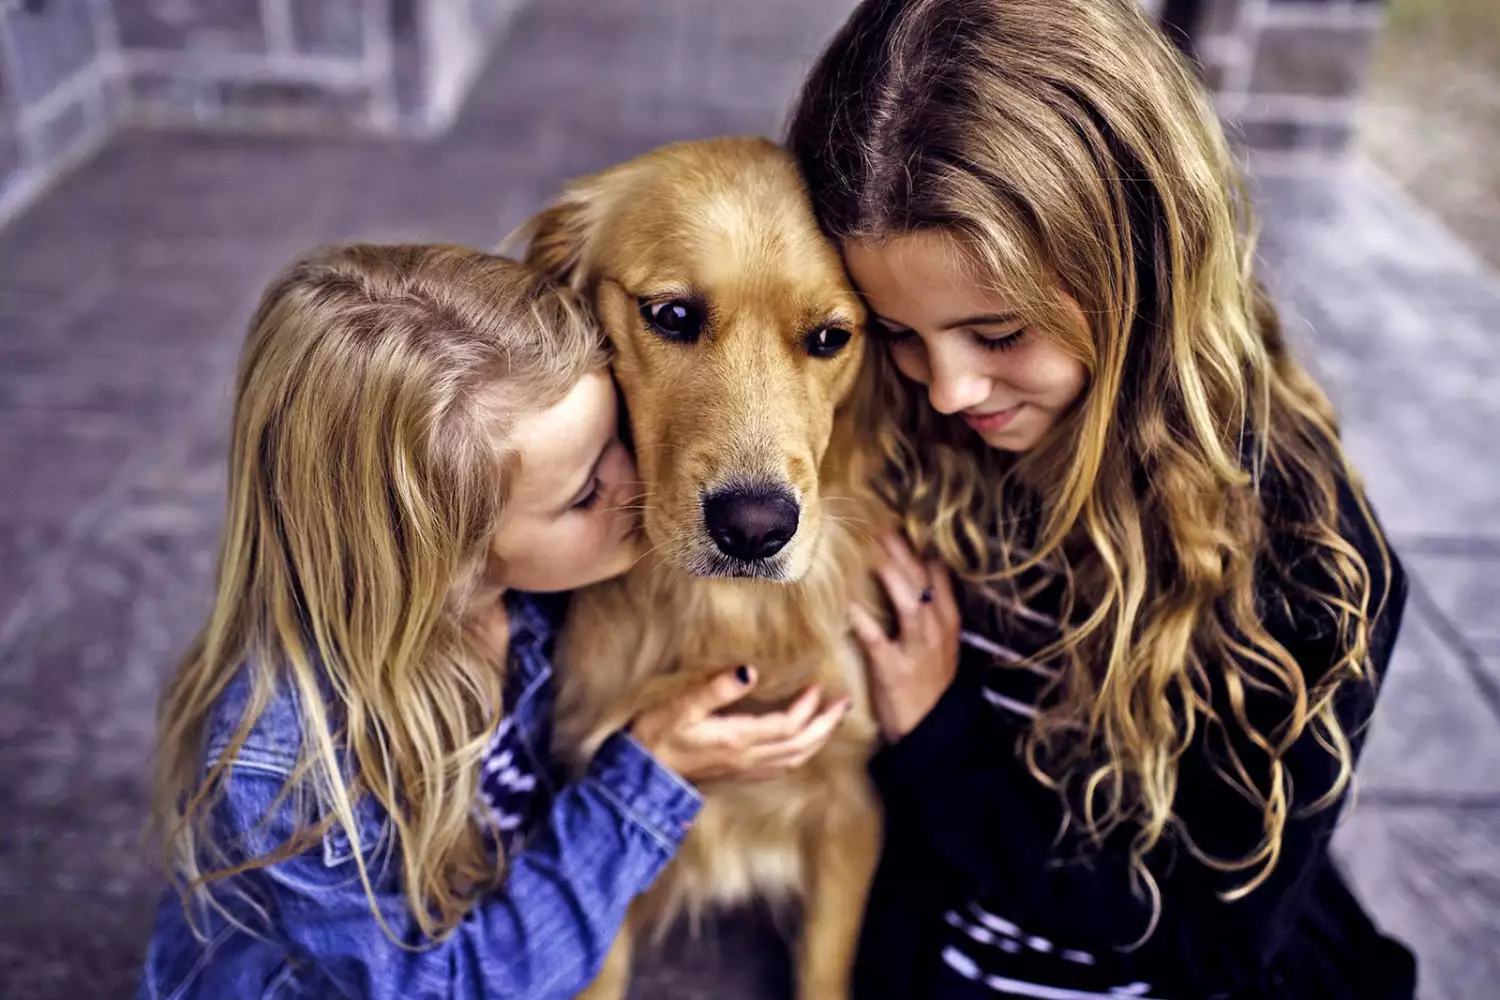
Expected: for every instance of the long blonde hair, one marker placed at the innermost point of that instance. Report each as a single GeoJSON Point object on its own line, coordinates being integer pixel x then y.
{"type": "Point", "coordinates": [367, 475]}
{"type": "Point", "coordinates": [1067, 144]}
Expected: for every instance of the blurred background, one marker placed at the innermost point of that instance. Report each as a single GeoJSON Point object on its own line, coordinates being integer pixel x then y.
{"type": "Point", "coordinates": [160, 158]}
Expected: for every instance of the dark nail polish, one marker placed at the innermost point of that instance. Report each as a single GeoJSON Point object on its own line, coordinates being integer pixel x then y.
{"type": "Point", "coordinates": [742, 675]}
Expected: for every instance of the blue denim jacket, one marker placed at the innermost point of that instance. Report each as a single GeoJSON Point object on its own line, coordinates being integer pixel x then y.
{"type": "Point", "coordinates": [308, 930]}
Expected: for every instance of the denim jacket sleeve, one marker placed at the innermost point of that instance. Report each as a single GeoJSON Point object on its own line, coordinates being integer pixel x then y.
{"type": "Point", "coordinates": [544, 935]}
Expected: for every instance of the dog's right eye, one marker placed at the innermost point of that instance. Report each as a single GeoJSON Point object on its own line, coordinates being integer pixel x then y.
{"type": "Point", "coordinates": [678, 320]}
{"type": "Point", "coordinates": [826, 341]}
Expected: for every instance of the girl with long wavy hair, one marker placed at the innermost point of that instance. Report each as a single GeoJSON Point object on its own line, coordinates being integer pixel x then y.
{"type": "Point", "coordinates": [1115, 759]}
{"type": "Point", "coordinates": [352, 777]}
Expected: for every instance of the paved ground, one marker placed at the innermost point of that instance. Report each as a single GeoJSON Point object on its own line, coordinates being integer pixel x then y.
{"type": "Point", "coordinates": [122, 300]}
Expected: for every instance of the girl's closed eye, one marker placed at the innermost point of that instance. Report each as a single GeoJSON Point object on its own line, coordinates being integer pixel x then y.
{"type": "Point", "coordinates": [590, 499]}
{"type": "Point", "coordinates": [888, 333]}
{"type": "Point", "coordinates": [1002, 342]}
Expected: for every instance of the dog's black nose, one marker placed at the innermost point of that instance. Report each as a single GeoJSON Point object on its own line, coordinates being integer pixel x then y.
{"type": "Point", "coordinates": [750, 523]}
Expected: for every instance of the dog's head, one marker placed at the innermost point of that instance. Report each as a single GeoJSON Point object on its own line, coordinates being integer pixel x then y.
{"type": "Point", "coordinates": [736, 336]}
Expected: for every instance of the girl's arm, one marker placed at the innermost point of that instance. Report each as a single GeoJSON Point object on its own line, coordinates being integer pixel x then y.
{"type": "Point", "coordinates": [544, 936]}
{"type": "Point", "coordinates": [547, 932]}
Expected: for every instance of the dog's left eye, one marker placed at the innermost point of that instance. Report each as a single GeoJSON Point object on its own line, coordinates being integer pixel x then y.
{"type": "Point", "coordinates": [680, 320]}
{"type": "Point", "coordinates": [826, 341]}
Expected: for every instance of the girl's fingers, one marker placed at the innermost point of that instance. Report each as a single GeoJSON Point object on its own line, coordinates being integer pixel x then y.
{"type": "Point", "coordinates": [792, 763]}
{"type": "Point", "coordinates": [907, 582]}
{"type": "Point", "coordinates": [944, 601]}
{"type": "Point", "coordinates": [798, 748]}
{"type": "Point", "coordinates": [871, 635]}
{"type": "Point", "coordinates": [775, 726]}
{"type": "Point", "coordinates": [898, 559]}
{"type": "Point", "coordinates": [906, 560]}
{"type": "Point", "coordinates": [905, 597]}
{"type": "Point", "coordinates": [724, 690]}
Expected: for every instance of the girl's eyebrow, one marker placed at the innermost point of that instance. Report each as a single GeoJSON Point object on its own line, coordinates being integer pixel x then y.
{"type": "Point", "coordinates": [885, 320]}
{"type": "Point", "coordinates": [982, 319]}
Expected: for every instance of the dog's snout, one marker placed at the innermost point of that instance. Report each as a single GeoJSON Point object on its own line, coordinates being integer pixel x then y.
{"type": "Point", "coordinates": [750, 523]}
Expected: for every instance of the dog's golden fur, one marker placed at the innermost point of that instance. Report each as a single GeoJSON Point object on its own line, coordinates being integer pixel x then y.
{"type": "Point", "coordinates": [728, 222]}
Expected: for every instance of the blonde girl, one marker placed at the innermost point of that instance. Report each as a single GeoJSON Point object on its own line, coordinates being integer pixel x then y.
{"type": "Point", "coordinates": [353, 782]}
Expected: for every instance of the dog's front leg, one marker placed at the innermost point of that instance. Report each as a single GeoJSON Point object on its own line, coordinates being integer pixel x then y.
{"type": "Point", "coordinates": [614, 979]}
{"type": "Point", "coordinates": [841, 857]}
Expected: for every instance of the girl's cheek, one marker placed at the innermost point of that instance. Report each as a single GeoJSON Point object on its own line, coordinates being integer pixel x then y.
{"type": "Point", "coordinates": [1035, 373]}
{"type": "Point", "coordinates": [1062, 377]}
{"type": "Point", "coordinates": [577, 549]}
{"type": "Point", "coordinates": [618, 473]}
{"type": "Point", "coordinates": [911, 361]}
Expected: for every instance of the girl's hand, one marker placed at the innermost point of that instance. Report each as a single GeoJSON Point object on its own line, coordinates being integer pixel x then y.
{"type": "Point", "coordinates": [909, 673]}
{"type": "Point", "coordinates": [687, 736]}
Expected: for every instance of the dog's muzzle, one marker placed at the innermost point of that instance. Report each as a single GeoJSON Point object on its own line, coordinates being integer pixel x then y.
{"type": "Point", "coordinates": [751, 523]}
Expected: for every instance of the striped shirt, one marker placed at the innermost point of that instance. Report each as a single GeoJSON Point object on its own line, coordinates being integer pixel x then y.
{"type": "Point", "coordinates": [983, 943]}
{"type": "Point", "coordinates": [514, 788]}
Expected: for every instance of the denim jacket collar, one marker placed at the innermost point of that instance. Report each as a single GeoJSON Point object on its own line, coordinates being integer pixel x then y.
{"type": "Point", "coordinates": [535, 620]}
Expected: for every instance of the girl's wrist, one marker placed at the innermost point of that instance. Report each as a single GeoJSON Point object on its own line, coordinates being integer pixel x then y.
{"type": "Point", "coordinates": [647, 792]}
{"type": "Point", "coordinates": [905, 714]}
{"type": "Point", "coordinates": [649, 740]}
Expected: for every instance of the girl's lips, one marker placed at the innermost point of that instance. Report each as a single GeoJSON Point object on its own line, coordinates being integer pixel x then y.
{"type": "Point", "coordinates": [988, 423]}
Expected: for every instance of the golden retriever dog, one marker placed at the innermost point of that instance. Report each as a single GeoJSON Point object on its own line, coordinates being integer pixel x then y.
{"type": "Point", "coordinates": [738, 346]}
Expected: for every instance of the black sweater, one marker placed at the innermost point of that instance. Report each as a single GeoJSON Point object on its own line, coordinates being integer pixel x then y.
{"type": "Point", "coordinates": [972, 863]}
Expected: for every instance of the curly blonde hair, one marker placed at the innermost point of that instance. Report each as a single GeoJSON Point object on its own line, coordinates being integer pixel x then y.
{"type": "Point", "coordinates": [367, 475]}
{"type": "Point", "coordinates": [1069, 146]}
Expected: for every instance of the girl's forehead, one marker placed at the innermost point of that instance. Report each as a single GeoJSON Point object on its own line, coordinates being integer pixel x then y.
{"type": "Point", "coordinates": [928, 265]}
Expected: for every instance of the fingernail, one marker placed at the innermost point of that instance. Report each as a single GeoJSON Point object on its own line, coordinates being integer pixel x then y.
{"type": "Point", "coordinates": [742, 674]}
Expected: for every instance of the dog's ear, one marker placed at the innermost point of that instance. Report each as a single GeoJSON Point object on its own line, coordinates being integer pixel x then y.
{"type": "Point", "coordinates": [557, 239]}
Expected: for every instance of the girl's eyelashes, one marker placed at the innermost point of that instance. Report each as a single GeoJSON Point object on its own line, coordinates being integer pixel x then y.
{"type": "Point", "coordinates": [1003, 343]}
{"type": "Point", "coordinates": [890, 334]}
{"type": "Point", "coordinates": [591, 498]}
{"type": "Point", "coordinates": [989, 342]}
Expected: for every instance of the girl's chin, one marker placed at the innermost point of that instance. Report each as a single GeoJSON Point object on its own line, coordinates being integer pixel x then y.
{"type": "Point", "coordinates": [1015, 439]}
{"type": "Point", "coordinates": [629, 547]}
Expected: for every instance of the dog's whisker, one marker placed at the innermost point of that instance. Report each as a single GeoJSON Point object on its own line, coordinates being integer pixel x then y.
{"type": "Point", "coordinates": [861, 527]}
{"type": "Point", "coordinates": [648, 553]}
{"type": "Point", "coordinates": [854, 501]}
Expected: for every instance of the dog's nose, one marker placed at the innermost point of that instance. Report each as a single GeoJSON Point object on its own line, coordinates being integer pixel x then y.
{"type": "Point", "coordinates": [750, 524]}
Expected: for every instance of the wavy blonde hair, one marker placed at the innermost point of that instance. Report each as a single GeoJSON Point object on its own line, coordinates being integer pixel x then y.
{"type": "Point", "coordinates": [1069, 146]}
{"type": "Point", "coordinates": [367, 475]}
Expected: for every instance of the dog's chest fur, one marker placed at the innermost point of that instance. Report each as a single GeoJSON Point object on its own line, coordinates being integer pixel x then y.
{"type": "Point", "coordinates": [627, 638]}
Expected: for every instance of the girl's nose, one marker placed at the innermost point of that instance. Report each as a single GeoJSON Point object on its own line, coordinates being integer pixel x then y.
{"type": "Point", "coordinates": [955, 386]}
